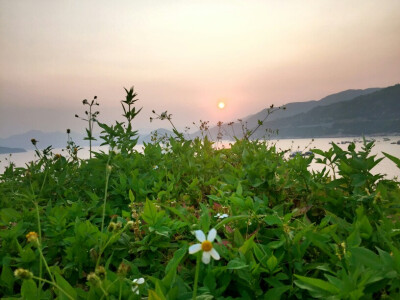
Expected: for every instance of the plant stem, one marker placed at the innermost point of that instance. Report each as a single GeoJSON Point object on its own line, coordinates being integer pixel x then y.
{"type": "Point", "coordinates": [40, 240]}
{"type": "Point", "coordinates": [45, 262]}
{"type": "Point", "coordinates": [108, 172]}
{"type": "Point", "coordinates": [55, 285]}
{"type": "Point", "coordinates": [196, 276]}
{"type": "Point", "coordinates": [120, 290]}
{"type": "Point", "coordinates": [90, 129]}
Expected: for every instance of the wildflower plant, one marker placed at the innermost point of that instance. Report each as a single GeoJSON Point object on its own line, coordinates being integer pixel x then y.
{"type": "Point", "coordinates": [121, 136]}
{"type": "Point", "coordinates": [205, 245]}
{"type": "Point", "coordinates": [91, 119]}
{"type": "Point", "coordinates": [96, 229]}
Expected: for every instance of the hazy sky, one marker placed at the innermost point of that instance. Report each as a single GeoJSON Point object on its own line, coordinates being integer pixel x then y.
{"type": "Point", "coordinates": [184, 56]}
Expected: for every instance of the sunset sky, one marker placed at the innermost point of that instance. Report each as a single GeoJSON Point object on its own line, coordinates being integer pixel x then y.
{"type": "Point", "coordinates": [186, 57]}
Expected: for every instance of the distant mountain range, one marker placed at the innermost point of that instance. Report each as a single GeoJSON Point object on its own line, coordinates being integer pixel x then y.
{"type": "Point", "coordinates": [4, 150]}
{"type": "Point", "coordinates": [370, 114]}
{"type": "Point", "coordinates": [372, 111]}
{"type": "Point", "coordinates": [55, 139]}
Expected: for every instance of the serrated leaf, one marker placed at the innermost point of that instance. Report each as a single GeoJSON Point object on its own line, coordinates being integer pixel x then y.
{"type": "Point", "coordinates": [149, 214]}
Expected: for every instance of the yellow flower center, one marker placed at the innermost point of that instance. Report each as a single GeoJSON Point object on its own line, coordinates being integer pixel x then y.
{"type": "Point", "coordinates": [32, 236]}
{"type": "Point", "coordinates": [206, 245]}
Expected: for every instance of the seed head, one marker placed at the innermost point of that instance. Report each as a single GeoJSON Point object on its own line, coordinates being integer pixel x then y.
{"type": "Point", "coordinates": [21, 273]}
{"type": "Point", "coordinates": [123, 269]}
{"type": "Point", "coordinates": [101, 272]}
{"type": "Point", "coordinates": [93, 279]}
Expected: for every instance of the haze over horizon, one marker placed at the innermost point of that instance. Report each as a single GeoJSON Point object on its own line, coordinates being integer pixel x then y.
{"type": "Point", "coordinates": [185, 57]}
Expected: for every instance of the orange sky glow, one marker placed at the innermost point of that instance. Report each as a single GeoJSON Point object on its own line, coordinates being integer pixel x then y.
{"type": "Point", "coordinates": [184, 56]}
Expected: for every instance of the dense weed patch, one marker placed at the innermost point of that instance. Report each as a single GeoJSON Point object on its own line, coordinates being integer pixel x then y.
{"type": "Point", "coordinates": [183, 220]}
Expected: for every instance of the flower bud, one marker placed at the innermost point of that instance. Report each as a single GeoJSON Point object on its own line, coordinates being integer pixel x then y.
{"type": "Point", "coordinates": [32, 237]}
{"type": "Point", "coordinates": [111, 227]}
{"type": "Point", "coordinates": [123, 269]}
{"type": "Point", "coordinates": [101, 272]}
{"type": "Point", "coordinates": [21, 273]}
{"type": "Point", "coordinates": [93, 279]}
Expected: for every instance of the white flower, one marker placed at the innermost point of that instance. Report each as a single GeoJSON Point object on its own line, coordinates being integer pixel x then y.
{"type": "Point", "coordinates": [115, 150]}
{"type": "Point", "coordinates": [221, 216]}
{"type": "Point", "coordinates": [206, 245]}
{"type": "Point", "coordinates": [135, 283]}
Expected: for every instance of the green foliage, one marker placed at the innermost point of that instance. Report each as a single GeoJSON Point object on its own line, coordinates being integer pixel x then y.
{"type": "Point", "coordinates": [283, 232]}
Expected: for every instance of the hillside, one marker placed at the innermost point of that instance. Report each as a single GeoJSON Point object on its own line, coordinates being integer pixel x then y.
{"type": "Point", "coordinates": [5, 150]}
{"type": "Point", "coordinates": [295, 108]}
{"type": "Point", "coordinates": [375, 113]}
{"type": "Point", "coordinates": [292, 109]}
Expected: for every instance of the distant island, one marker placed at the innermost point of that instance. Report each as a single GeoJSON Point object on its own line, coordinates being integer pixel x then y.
{"type": "Point", "coordinates": [5, 150]}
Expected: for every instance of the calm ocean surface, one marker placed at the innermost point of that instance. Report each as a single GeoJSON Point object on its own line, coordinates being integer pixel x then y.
{"type": "Point", "coordinates": [386, 166]}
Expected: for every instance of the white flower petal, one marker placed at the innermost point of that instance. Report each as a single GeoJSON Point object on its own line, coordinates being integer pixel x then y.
{"type": "Point", "coordinates": [200, 236]}
{"type": "Point", "coordinates": [206, 257]}
{"type": "Point", "coordinates": [194, 248]}
{"type": "Point", "coordinates": [224, 216]}
{"type": "Point", "coordinates": [217, 215]}
{"type": "Point", "coordinates": [140, 280]}
{"type": "Point", "coordinates": [211, 235]}
{"type": "Point", "coordinates": [214, 254]}
{"type": "Point", "coordinates": [135, 289]}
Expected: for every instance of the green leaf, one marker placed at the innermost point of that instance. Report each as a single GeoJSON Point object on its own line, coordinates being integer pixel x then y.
{"type": "Point", "coordinates": [67, 288]}
{"type": "Point", "coordinates": [273, 220]}
{"type": "Point", "coordinates": [7, 277]}
{"type": "Point", "coordinates": [210, 281]}
{"type": "Point", "coordinates": [318, 284]}
{"type": "Point", "coordinates": [393, 159]}
{"type": "Point", "coordinates": [204, 218]}
{"type": "Point", "coordinates": [366, 257]}
{"type": "Point", "coordinates": [272, 262]}
{"type": "Point", "coordinates": [236, 264]}
{"type": "Point", "coordinates": [131, 196]}
{"type": "Point", "coordinates": [247, 245]}
{"type": "Point", "coordinates": [153, 296]}
{"type": "Point", "coordinates": [29, 290]}
{"type": "Point", "coordinates": [238, 238]}
{"type": "Point", "coordinates": [231, 219]}
{"type": "Point", "coordinates": [173, 264]}
{"type": "Point", "coordinates": [239, 189]}
{"type": "Point", "coordinates": [149, 214]}
{"type": "Point", "coordinates": [276, 293]}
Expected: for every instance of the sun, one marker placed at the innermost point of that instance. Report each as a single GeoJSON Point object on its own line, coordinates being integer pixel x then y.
{"type": "Point", "coordinates": [221, 105]}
